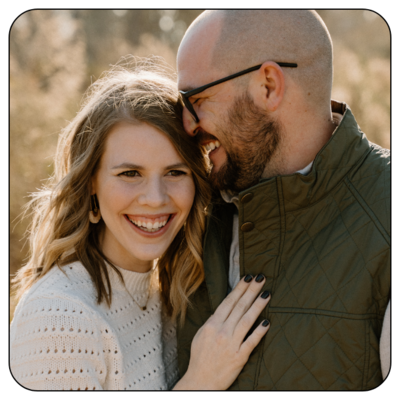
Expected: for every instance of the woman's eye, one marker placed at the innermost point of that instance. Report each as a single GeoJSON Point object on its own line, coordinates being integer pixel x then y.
{"type": "Point", "coordinates": [129, 174]}
{"type": "Point", "coordinates": [176, 173]}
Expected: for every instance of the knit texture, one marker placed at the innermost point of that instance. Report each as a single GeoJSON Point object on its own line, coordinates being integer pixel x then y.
{"type": "Point", "coordinates": [61, 339]}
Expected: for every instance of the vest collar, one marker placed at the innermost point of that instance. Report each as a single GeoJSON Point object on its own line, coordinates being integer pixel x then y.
{"type": "Point", "coordinates": [273, 197]}
{"type": "Point", "coordinates": [339, 155]}
{"type": "Point", "coordinates": [230, 196]}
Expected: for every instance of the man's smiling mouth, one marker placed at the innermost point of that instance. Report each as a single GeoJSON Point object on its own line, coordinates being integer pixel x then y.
{"type": "Point", "coordinates": [212, 145]}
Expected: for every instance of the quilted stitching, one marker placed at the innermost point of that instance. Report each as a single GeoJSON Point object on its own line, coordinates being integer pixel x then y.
{"type": "Point", "coordinates": [327, 264]}
{"type": "Point", "coordinates": [327, 336]}
{"type": "Point", "coordinates": [324, 245]}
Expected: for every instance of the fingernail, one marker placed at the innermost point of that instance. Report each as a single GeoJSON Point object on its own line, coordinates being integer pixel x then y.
{"type": "Point", "coordinates": [265, 323]}
{"type": "Point", "coordinates": [259, 278]}
{"type": "Point", "coordinates": [248, 278]}
{"type": "Point", "coordinates": [265, 294]}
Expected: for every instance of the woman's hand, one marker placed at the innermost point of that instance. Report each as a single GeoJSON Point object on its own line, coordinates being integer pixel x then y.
{"type": "Point", "coordinates": [218, 351]}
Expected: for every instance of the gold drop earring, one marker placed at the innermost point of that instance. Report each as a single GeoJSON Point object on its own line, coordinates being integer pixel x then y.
{"type": "Point", "coordinates": [94, 213]}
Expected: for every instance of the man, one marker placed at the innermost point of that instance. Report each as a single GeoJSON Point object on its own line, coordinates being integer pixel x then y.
{"type": "Point", "coordinates": [305, 199]}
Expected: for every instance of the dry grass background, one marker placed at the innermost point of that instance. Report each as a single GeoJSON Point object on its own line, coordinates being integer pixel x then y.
{"type": "Point", "coordinates": [55, 55]}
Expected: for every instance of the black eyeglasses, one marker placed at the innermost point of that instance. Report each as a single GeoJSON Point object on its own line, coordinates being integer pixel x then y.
{"type": "Point", "coordinates": [185, 95]}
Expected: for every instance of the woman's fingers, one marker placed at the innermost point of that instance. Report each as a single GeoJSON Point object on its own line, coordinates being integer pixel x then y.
{"type": "Point", "coordinates": [218, 352]}
{"type": "Point", "coordinates": [252, 341]}
{"type": "Point", "coordinates": [225, 308]}
{"type": "Point", "coordinates": [245, 302]}
{"type": "Point", "coordinates": [249, 318]}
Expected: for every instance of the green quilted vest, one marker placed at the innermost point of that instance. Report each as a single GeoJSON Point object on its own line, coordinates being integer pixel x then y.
{"type": "Point", "coordinates": [323, 243]}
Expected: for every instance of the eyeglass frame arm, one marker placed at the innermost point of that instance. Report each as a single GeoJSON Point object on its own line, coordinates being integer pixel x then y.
{"type": "Point", "coordinates": [190, 93]}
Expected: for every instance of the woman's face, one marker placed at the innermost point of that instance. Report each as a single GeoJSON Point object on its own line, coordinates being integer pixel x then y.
{"type": "Point", "coordinates": [145, 192]}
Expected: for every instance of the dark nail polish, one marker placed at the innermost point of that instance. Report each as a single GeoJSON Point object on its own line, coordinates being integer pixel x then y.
{"type": "Point", "coordinates": [248, 278]}
{"type": "Point", "coordinates": [265, 294]}
{"type": "Point", "coordinates": [265, 323]}
{"type": "Point", "coordinates": [259, 278]}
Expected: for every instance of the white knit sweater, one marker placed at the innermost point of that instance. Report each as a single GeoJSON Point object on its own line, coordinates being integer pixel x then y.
{"type": "Point", "coordinates": [61, 339]}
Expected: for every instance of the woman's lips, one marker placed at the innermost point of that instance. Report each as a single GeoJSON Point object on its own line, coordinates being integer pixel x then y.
{"type": "Point", "coordinates": [157, 233]}
{"type": "Point", "coordinates": [154, 221]}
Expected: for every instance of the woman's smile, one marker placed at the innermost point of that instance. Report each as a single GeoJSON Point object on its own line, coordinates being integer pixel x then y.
{"type": "Point", "coordinates": [150, 226]}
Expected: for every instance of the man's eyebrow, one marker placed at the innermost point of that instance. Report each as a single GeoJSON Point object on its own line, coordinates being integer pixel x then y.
{"type": "Point", "coordinates": [188, 89]}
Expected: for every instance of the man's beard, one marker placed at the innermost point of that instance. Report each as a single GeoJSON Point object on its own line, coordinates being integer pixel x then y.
{"type": "Point", "coordinates": [254, 138]}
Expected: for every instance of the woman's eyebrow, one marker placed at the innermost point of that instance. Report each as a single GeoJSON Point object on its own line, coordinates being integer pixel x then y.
{"type": "Point", "coordinates": [127, 166]}
{"type": "Point", "coordinates": [177, 165]}
{"type": "Point", "coordinates": [135, 166]}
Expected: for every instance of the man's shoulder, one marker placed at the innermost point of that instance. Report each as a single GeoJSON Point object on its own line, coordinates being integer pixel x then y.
{"type": "Point", "coordinates": [374, 168]}
{"type": "Point", "coordinates": [371, 182]}
{"type": "Point", "coordinates": [378, 158]}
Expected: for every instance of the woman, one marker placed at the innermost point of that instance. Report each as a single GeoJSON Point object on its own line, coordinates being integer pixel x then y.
{"type": "Point", "coordinates": [116, 253]}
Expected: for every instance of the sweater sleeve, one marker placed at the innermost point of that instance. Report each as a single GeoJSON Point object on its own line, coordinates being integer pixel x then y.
{"type": "Point", "coordinates": [56, 344]}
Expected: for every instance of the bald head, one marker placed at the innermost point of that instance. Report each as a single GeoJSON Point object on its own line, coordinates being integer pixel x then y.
{"type": "Point", "coordinates": [227, 41]}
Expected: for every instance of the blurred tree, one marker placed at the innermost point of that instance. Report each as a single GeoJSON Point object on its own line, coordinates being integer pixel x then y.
{"type": "Point", "coordinates": [362, 31]}
{"type": "Point", "coordinates": [103, 38]}
{"type": "Point", "coordinates": [110, 34]}
{"type": "Point", "coordinates": [361, 47]}
{"type": "Point", "coordinates": [46, 74]}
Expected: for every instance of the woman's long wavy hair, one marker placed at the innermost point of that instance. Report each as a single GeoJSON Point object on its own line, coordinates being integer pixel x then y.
{"type": "Point", "coordinates": [61, 233]}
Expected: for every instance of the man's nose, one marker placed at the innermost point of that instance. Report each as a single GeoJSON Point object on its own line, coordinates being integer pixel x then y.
{"type": "Point", "coordinates": [189, 123]}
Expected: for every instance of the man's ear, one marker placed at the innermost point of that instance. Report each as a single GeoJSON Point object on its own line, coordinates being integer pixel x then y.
{"type": "Point", "coordinates": [270, 89]}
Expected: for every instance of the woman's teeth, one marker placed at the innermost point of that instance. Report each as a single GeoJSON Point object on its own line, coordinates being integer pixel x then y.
{"type": "Point", "coordinates": [210, 146]}
{"type": "Point", "coordinates": [149, 226]}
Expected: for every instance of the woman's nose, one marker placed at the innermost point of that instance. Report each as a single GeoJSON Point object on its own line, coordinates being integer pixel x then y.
{"type": "Point", "coordinates": [189, 123]}
{"type": "Point", "coordinates": [154, 194]}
